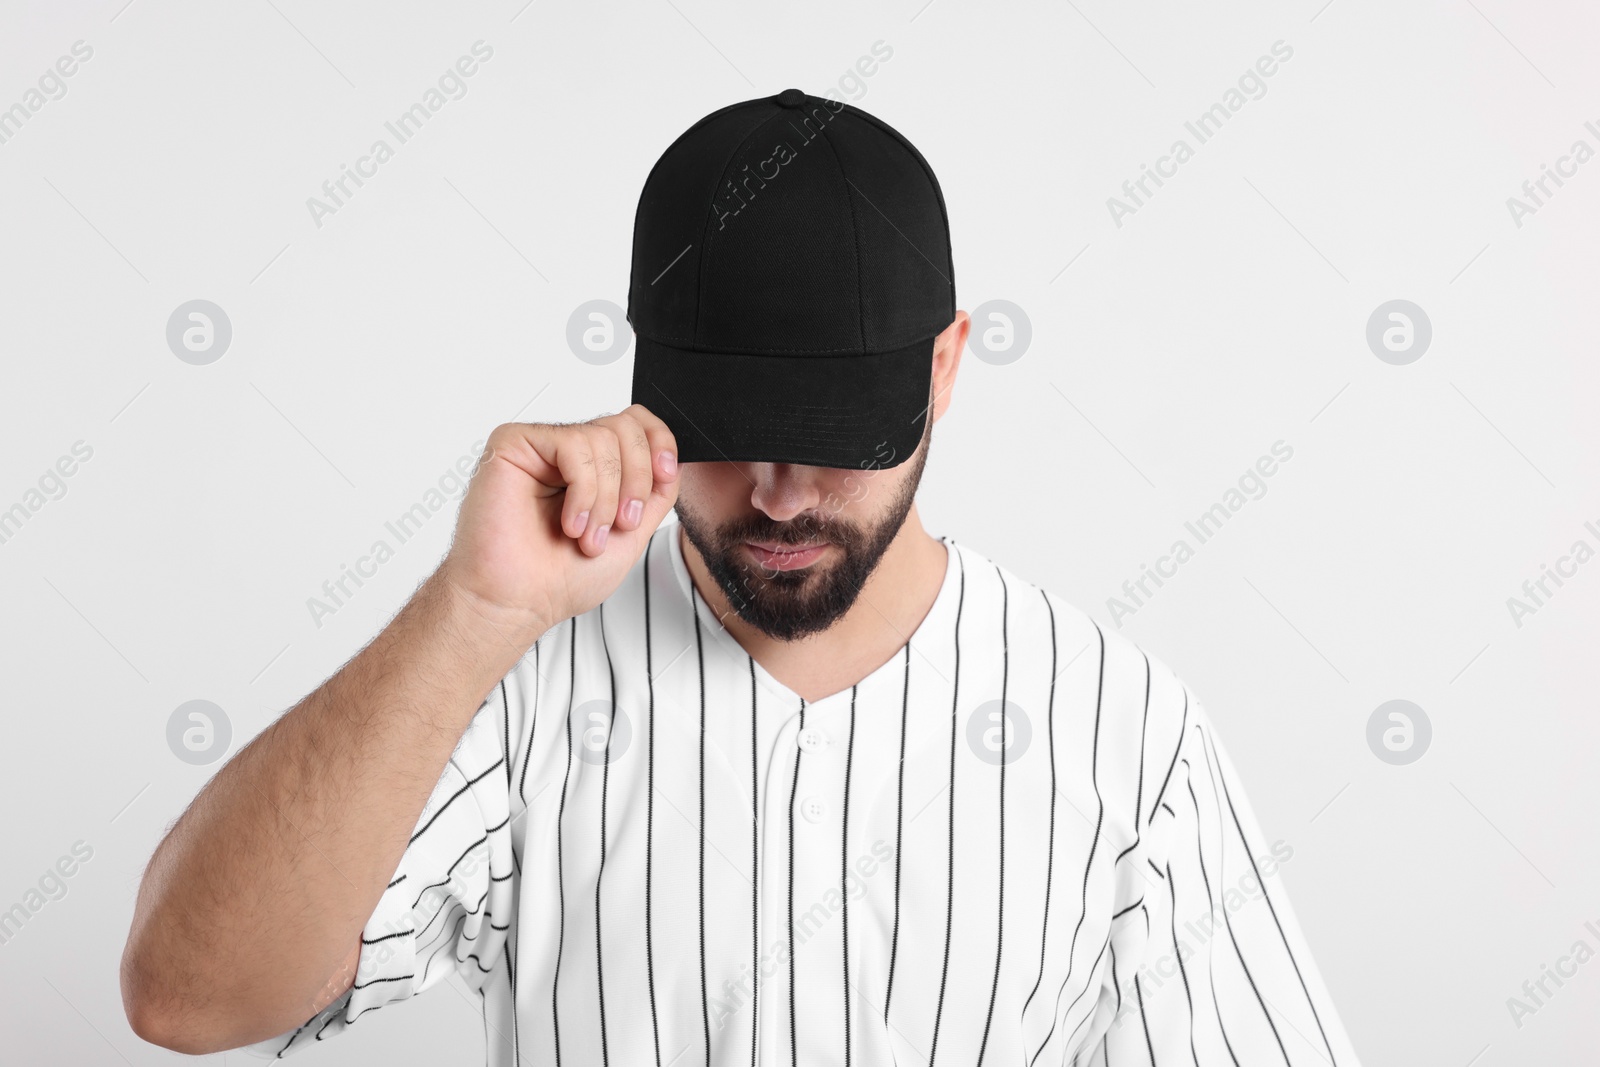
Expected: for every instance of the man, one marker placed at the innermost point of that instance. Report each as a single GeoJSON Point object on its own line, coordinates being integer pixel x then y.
{"type": "Point", "coordinates": [786, 780]}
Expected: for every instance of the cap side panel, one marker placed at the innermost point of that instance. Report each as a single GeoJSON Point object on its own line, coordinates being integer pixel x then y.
{"type": "Point", "coordinates": [903, 239]}
{"type": "Point", "coordinates": [938, 193]}
{"type": "Point", "coordinates": [855, 229]}
{"type": "Point", "coordinates": [668, 246]}
{"type": "Point", "coordinates": [780, 259]}
{"type": "Point", "coordinates": [633, 265]}
{"type": "Point", "coordinates": [721, 175]}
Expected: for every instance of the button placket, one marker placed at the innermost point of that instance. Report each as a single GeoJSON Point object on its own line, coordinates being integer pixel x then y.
{"type": "Point", "coordinates": [818, 815]}
{"type": "Point", "coordinates": [777, 783]}
{"type": "Point", "coordinates": [815, 798]}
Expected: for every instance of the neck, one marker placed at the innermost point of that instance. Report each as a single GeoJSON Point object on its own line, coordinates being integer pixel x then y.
{"type": "Point", "coordinates": [893, 602]}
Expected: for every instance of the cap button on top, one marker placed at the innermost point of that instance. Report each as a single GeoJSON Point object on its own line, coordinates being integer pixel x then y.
{"type": "Point", "coordinates": [790, 98]}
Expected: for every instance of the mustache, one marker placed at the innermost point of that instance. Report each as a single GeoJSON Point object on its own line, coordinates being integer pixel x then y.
{"type": "Point", "coordinates": [802, 530]}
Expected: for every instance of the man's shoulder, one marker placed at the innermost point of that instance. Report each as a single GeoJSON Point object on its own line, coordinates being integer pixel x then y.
{"type": "Point", "coordinates": [1126, 670]}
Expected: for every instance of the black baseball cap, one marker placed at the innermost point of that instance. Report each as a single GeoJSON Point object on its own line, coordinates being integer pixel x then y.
{"type": "Point", "coordinates": [791, 268]}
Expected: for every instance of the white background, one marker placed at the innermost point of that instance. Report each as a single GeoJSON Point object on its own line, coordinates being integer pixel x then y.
{"type": "Point", "coordinates": [1228, 313]}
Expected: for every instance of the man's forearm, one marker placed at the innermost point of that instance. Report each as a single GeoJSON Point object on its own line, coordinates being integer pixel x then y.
{"type": "Point", "coordinates": [258, 893]}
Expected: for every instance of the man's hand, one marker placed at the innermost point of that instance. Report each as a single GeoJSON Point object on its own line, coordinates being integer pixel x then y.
{"type": "Point", "coordinates": [244, 926]}
{"type": "Point", "coordinates": [557, 514]}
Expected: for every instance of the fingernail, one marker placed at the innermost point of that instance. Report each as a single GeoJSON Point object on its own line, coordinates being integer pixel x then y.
{"type": "Point", "coordinates": [600, 535]}
{"type": "Point", "coordinates": [669, 464]}
{"type": "Point", "coordinates": [581, 521]}
{"type": "Point", "coordinates": [632, 510]}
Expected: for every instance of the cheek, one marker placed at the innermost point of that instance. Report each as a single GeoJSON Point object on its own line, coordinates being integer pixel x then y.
{"type": "Point", "coordinates": [861, 494]}
{"type": "Point", "coordinates": [713, 491]}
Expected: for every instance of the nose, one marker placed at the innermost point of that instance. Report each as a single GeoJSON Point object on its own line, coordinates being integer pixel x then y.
{"type": "Point", "coordinates": [783, 490]}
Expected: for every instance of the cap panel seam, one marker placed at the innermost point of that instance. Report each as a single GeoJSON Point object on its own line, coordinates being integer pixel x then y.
{"type": "Point", "coordinates": [639, 206]}
{"type": "Point", "coordinates": [933, 182]}
{"type": "Point", "coordinates": [855, 233]}
{"type": "Point", "coordinates": [711, 204]}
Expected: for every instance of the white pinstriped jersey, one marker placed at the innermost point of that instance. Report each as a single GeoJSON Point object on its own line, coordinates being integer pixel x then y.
{"type": "Point", "coordinates": [722, 873]}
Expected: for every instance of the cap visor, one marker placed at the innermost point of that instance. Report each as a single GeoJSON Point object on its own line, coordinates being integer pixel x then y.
{"type": "Point", "coordinates": [854, 411]}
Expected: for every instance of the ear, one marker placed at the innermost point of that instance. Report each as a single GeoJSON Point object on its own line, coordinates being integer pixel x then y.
{"type": "Point", "coordinates": [947, 349]}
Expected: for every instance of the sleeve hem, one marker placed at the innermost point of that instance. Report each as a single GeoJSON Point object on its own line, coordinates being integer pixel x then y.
{"type": "Point", "coordinates": [385, 973]}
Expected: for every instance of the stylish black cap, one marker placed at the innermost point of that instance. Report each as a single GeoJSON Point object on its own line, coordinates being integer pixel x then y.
{"type": "Point", "coordinates": [791, 267]}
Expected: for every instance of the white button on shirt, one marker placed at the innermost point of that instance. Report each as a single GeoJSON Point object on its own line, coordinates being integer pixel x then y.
{"type": "Point", "coordinates": [1017, 841]}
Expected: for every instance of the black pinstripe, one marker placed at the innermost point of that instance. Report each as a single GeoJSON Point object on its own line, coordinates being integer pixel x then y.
{"type": "Point", "coordinates": [456, 796]}
{"type": "Point", "coordinates": [844, 869]}
{"type": "Point", "coordinates": [794, 789]}
{"type": "Point", "coordinates": [505, 729]}
{"type": "Point", "coordinates": [755, 870]}
{"type": "Point", "coordinates": [386, 937]}
{"type": "Point", "coordinates": [899, 821]}
{"type": "Point", "coordinates": [1144, 1019]}
{"type": "Point", "coordinates": [1050, 853]}
{"type": "Point", "coordinates": [1274, 911]}
{"type": "Point", "coordinates": [605, 784]}
{"type": "Point", "coordinates": [446, 944]}
{"type": "Point", "coordinates": [1172, 892]}
{"type": "Point", "coordinates": [533, 723]}
{"type": "Point", "coordinates": [1138, 802]}
{"type": "Point", "coordinates": [1227, 920]}
{"type": "Point", "coordinates": [950, 881]}
{"type": "Point", "coordinates": [1116, 983]}
{"type": "Point", "coordinates": [448, 872]}
{"type": "Point", "coordinates": [1094, 845]}
{"type": "Point", "coordinates": [650, 806]}
{"type": "Point", "coordinates": [510, 948]}
{"type": "Point", "coordinates": [1183, 725]}
{"type": "Point", "coordinates": [705, 1004]}
{"type": "Point", "coordinates": [1211, 957]}
{"type": "Point", "coordinates": [511, 979]}
{"type": "Point", "coordinates": [561, 889]}
{"type": "Point", "coordinates": [1005, 758]}
{"type": "Point", "coordinates": [1104, 947]}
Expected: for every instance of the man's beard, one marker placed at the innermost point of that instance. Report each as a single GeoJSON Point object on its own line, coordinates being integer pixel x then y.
{"type": "Point", "coordinates": [788, 605]}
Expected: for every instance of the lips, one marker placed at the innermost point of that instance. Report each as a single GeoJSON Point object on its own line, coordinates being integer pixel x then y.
{"type": "Point", "coordinates": [782, 557]}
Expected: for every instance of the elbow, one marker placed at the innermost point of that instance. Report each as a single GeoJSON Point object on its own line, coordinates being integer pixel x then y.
{"type": "Point", "coordinates": [158, 1028]}
{"type": "Point", "coordinates": [161, 1028]}
{"type": "Point", "coordinates": [157, 1016]}
{"type": "Point", "coordinates": [173, 1004]}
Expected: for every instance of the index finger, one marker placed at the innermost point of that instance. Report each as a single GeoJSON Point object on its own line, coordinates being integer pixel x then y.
{"type": "Point", "coordinates": [663, 446]}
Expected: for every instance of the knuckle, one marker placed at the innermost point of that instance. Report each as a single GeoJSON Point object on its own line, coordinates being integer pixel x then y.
{"type": "Point", "coordinates": [643, 416]}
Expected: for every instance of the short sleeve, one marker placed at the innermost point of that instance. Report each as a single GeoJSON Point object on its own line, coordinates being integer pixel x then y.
{"type": "Point", "coordinates": [450, 902]}
{"type": "Point", "coordinates": [1208, 963]}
